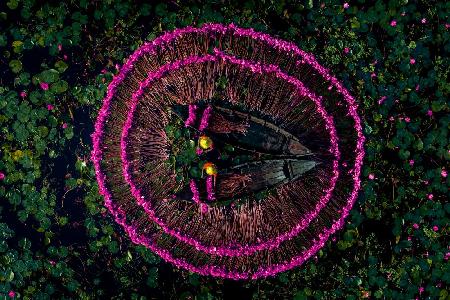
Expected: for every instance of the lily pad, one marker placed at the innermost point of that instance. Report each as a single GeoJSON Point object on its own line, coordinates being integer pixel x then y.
{"type": "Point", "coordinates": [15, 65]}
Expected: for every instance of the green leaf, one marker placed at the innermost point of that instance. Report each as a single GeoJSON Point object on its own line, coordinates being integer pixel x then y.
{"type": "Point", "coordinates": [113, 247]}
{"type": "Point", "coordinates": [60, 87]}
{"type": "Point", "coordinates": [10, 276]}
{"type": "Point", "coordinates": [194, 279]}
{"type": "Point", "coordinates": [404, 154]}
{"type": "Point", "coordinates": [145, 9]}
{"type": "Point", "coordinates": [12, 4]}
{"type": "Point", "coordinates": [418, 144]}
{"type": "Point", "coordinates": [49, 76]}
{"type": "Point", "coordinates": [3, 40]}
{"type": "Point", "coordinates": [15, 65]}
{"type": "Point", "coordinates": [152, 279]}
{"type": "Point", "coordinates": [61, 66]}
{"type": "Point", "coordinates": [68, 132]}
{"type": "Point", "coordinates": [300, 295]}
{"type": "Point", "coordinates": [17, 46]}
{"type": "Point", "coordinates": [161, 9]}
{"type": "Point", "coordinates": [437, 105]}
{"type": "Point", "coordinates": [355, 23]}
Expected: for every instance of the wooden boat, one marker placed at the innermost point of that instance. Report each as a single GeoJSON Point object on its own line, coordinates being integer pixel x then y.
{"type": "Point", "coordinates": [250, 132]}
{"type": "Point", "coordinates": [256, 176]}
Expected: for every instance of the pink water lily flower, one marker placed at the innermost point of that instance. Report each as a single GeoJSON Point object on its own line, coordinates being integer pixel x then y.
{"type": "Point", "coordinates": [381, 100]}
{"type": "Point", "coordinates": [44, 85]}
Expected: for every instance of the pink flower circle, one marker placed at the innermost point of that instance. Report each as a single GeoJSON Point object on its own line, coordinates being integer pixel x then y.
{"type": "Point", "coordinates": [429, 113]}
{"type": "Point", "coordinates": [444, 173]}
{"type": "Point", "coordinates": [435, 228]}
{"type": "Point", "coordinates": [23, 94]}
{"type": "Point", "coordinates": [213, 269]}
{"type": "Point", "coordinates": [430, 196]}
{"type": "Point", "coordinates": [11, 294]}
{"type": "Point", "coordinates": [346, 50]}
{"type": "Point", "coordinates": [371, 176]}
{"type": "Point", "coordinates": [64, 125]}
{"type": "Point", "coordinates": [412, 61]}
{"type": "Point", "coordinates": [346, 5]}
{"type": "Point", "coordinates": [2, 176]}
{"type": "Point", "coordinates": [416, 226]}
{"type": "Point", "coordinates": [393, 23]}
{"type": "Point", "coordinates": [411, 162]}
{"type": "Point", "coordinates": [50, 107]}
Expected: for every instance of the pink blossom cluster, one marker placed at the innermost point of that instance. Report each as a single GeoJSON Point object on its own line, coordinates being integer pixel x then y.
{"type": "Point", "coordinates": [210, 188]}
{"type": "Point", "coordinates": [205, 118]}
{"type": "Point", "coordinates": [192, 115]}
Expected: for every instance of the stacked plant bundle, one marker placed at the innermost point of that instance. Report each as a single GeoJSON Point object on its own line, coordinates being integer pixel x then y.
{"type": "Point", "coordinates": [228, 152]}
